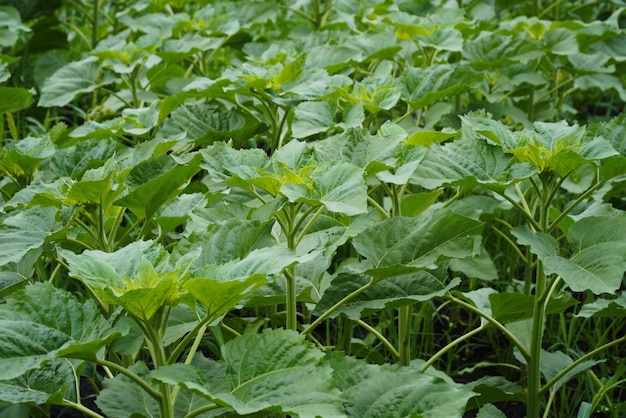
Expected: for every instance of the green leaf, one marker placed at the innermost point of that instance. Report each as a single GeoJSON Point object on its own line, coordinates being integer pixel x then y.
{"type": "Point", "coordinates": [50, 384]}
{"type": "Point", "coordinates": [358, 147]}
{"type": "Point", "coordinates": [611, 308]}
{"type": "Point", "coordinates": [276, 371]}
{"type": "Point", "coordinates": [24, 231]}
{"type": "Point", "coordinates": [420, 241]}
{"type": "Point", "coordinates": [490, 411]}
{"type": "Point", "coordinates": [122, 397]}
{"type": "Point", "coordinates": [10, 26]}
{"type": "Point", "coordinates": [155, 181]}
{"type": "Point", "coordinates": [599, 259]}
{"type": "Point", "coordinates": [223, 161]}
{"type": "Point", "coordinates": [558, 147]}
{"type": "Point", "coordinates": [14, 99]}
{"type": "Point", "coordinates": [229, 240]}
{"type": "Point", "coordinates": [511, 307]}
{"type": "Point", "coordinates": [561, 41]}
{"type": "Point", "coordinates": [391, 391]}
{"type": "Point", "coordinates": [264, 261]}
{"type": "Point", "coordinates": [469, 162]}
{"type": "Point", "coordinates": [87, 154]}
{"type": "Point", "coordinates": [313, 117]}
{"type": "Point", "coordinates": [99, 269]}
{"type": "Point", "coordinates": [41, 322]}
{"type": "Point", "coordinates": [340, 187]}
{"type": "Point", "coordinates": [541, 244]}
{"type": "Point", "coordinates": [552, 363]}
{"type": "Point", "coordinates": [422, 87]}
{"type": "Point", "coordinates": [205, 124]}
{"type": "Point", "coordinates": [219, 297]}
{"type": "Point", "coordinates": [71, 80]}
{"type": "Point", "coordinates": [393, 292]}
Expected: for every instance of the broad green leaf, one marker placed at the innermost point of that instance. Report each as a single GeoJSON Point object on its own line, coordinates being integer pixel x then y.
{"type": "Point", "coordinates": [21, 160]}
{"type": "Point", "coordinates": [41, 322]}
{"type": "Point", "coordinates": [276, 371]}
{"type": "Point", "coordinates": [552, 363]}
{"type": "Point", "coordinates": [313, 117]}
{"type": "Point", "coordinates": [145, 293]}
{"type": "Point", "coordinates": [333, 57]}
{"type": "Point", "coordinates": [443, 39]}
{"type": "Point", "coordinates": [219, 297]}
{"type": "Point", "coordinates": [558, 147]}
{"type": "Point", "coordinates": [390, 391]}
{"type": "Point", "coordinates": [422, 87]}
{"type": "Point", "coordinates": [10, 282]}
{"type": "Point", "coordinates": [73, 161]}
{"type": "Point", "coordinates": [420, 241]}
{"type": "Point", "coordinates": [179, 210]}
{"type": "Point", "coordinates": [226, 241]}
{"type": "Point", "coordinates": [10, 26]}
{"type": "Point", "coordinates": [392, 292]}
{"type": "Point", "coordinates": [480, 266]}
{"type": "Point", "coordinates": [611, 308]}
{"type": "Point", "coordinates": [541, 244]}
{"type": "Point", "coordinates": [50, 384]}
{"type": "Point", "coordinates": [223, 161]}
{"type": "Point", "coordinates": [602, 82]}
{"type": "Point", "coordinates": [141, 120]}
{"type": "Point", "coordinates": [340, 187]}
{"type": "Point", "coordinates": [511, 307]}
{"type": "Point", "coordinates": [490, 411]}
{"type": "Point", "coordinates": [599, 259]}
{"type": "Point", "coordinates": [491, 49]}
{"type": "Point", "coordinates": [561, 41]}
{"type": "Point", "coordinates": [427, 138]}
{"type": "Point", "coordinates": [99, 269]}
{"type": "Point", "coordinates": [360, 148]}
{"type": "Point", "coordinates": [205, 124]}
{"type": "Point", "coordinates": [264, 261]}
{"type": "Point", "coordinates": [95, 186]}
{"type": "Point", "coordinates": [121, 397]}
{"type": "Point", "coordinates": [71, 80]}
{"type": "Point", "coordinates": [14, 99]}
{"type": "Point", "coordinates": [155, 181]}
{"type": "Point", "coordinates": [26, 230]}
{"type": "Point", "coordinates": [468, 162]}
{"type": "Point", "coordinates": [26, 346]}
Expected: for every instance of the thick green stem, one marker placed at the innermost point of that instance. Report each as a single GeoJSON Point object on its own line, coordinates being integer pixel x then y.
{"type": "Point", "coordinates": [290, 272]}
{"type": "Point", "coordinates": [94, 23]}
{"type": "Point", "coordinates": [534, 361]}
{"type": "Point", "coordinates": [404, 334]}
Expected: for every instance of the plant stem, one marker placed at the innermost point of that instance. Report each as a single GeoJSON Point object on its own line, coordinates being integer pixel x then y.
{"type": "Point", "coordinates": [523, 350]}
{"type": "Point", "coordinates": [290, 272]}
{"type": "Point", "coordinates": [404, 334]}
{"type": "Point", "coordinates": [451, 345]}
{"type": "Point", "coordinates": [380, 337]}
{"type": "Point", "coordinates": [154, 394]}
{"type": "Point", "coordinates": [337, 305]}
{"type": "Point", "coordinates": [578, 361]}
{"type": "Point", "coordinates": [94, 23]}
{"type": "Point", "coordinates": [83, 409]}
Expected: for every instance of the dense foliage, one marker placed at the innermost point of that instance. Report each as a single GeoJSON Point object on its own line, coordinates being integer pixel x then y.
{"type": "Point", "coordinates": [340, 208]}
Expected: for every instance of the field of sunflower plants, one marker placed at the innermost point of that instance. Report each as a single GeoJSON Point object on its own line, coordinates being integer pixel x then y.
{"type": "Point", "coordinates": [312, 208]}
